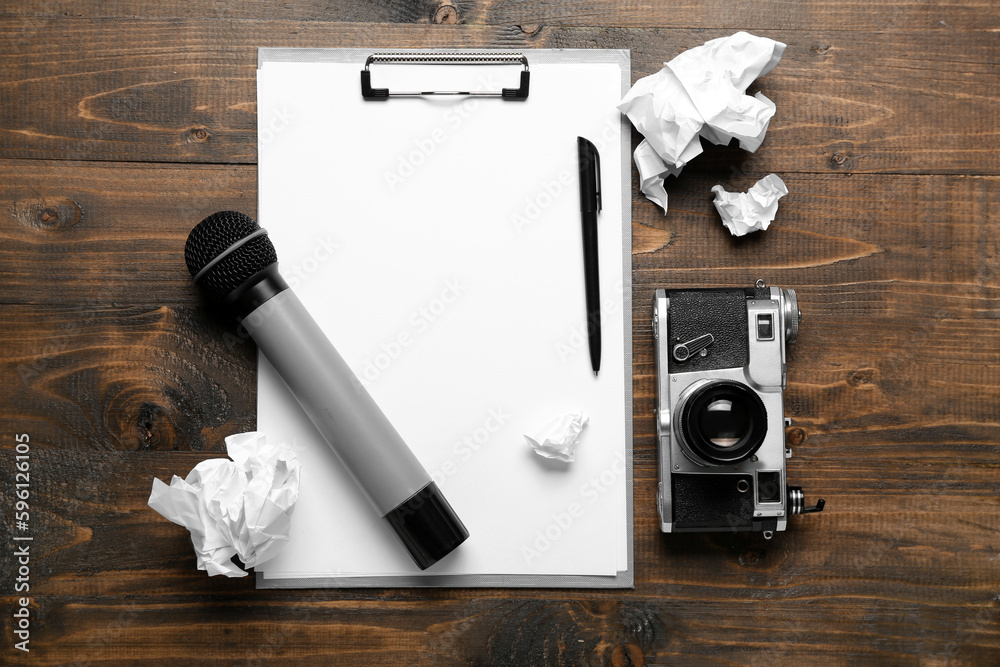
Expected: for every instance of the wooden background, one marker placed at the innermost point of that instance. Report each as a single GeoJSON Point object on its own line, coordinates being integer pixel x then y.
{"type": "Point", "coordinates": [122, 124]}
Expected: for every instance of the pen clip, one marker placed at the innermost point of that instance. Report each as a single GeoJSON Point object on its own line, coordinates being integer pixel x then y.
{"type": "Point", "coordinates": [597, 175]}
{"type": "Point", "coordinates": [590, 160]}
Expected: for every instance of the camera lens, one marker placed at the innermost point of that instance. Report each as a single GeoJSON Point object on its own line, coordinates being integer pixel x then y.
{"type": "Point", "coordinates": [723, 422]}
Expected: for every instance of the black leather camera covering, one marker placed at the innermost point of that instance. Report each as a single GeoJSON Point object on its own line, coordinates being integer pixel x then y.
{"type": "Point", "coordinates": [722, 313]}
{"type": "Point", "coordinates": [712, 501]}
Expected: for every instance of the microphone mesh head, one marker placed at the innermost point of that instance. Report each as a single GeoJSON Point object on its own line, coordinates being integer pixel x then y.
{"type": "Point", "coordinates": [215, 234]}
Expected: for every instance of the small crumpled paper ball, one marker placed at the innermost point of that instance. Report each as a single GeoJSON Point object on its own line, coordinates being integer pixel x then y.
{"type": "Point", "coordinates": [558, 439]}
{"type": "Point", "coordinates": [753, 210]}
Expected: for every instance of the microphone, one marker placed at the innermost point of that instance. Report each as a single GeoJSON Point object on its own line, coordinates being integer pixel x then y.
{"type": "Point", "coordinates": [233, 261]}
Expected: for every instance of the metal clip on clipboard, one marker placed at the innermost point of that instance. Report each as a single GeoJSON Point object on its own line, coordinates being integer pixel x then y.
{"type": "Point", "coordinates": [519, 93]}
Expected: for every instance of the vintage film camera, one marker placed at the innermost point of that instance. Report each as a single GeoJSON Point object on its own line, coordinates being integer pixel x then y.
{"type": "Point", "coordinates": [720, 373]}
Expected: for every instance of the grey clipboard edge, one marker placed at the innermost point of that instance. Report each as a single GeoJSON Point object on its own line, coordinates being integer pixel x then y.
{"type": "Point", "coordinates": [624, 578]}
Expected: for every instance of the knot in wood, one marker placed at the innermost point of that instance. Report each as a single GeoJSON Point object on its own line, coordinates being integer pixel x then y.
{"type": "Point", "coordinates": [627, 655]}
{"type": "Point", "coordinates": [49, 214]}
{"type": "Point", "coordinates": [752, 557]}
{"type": "Point", "coordinates": [150, 426]}
{"type": "Point", "coordinates": [446, 14]}
{"type": "Point", "coordinates": [858, 378]}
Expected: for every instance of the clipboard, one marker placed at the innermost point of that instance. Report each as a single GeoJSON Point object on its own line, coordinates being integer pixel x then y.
{"type": "Point", "coordinates": [435, 236]}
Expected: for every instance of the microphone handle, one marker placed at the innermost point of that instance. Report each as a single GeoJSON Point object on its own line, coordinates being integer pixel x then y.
{"type": "Point", "coordinates": [336, 402]}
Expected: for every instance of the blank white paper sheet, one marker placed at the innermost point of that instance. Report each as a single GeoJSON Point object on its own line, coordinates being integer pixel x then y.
{"type": "Point", "coordinates": [438, 244]}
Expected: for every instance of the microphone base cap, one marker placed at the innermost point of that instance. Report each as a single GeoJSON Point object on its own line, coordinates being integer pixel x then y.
{"type": "Point", "coordinates": [427, 526]}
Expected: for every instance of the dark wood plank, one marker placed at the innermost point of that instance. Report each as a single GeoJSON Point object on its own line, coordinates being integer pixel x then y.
{"type": "Point", "coordinates": [98, 234]}
{"type": "Point", "coordinates": [761, 15]}
{"type": "Point", "coordinates": [498, 631]}
{"type": "Point", "coordinates": [183, 90]}
{"type": "Point", "coordinates": [119, 232]}
{"type": "Point", "coordinates": [130, 378]}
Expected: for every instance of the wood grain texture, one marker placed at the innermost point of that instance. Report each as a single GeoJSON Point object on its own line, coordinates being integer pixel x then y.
{"type": "Point", "coordinates": [119, 230]}
{"type": "Point", "coordinates": [123, 124]}
{"type": "Point", "coordinates": [99, 234]}
{"type": "Point", "coordinates": [855, 15]}
{"type": "Point", "coordinates": [154, 377]}
{"type": "Point", "coordinates": [183, 90]}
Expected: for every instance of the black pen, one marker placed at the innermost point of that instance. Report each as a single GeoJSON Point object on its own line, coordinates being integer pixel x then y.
{"type": "Point", "coordinates": [590, 204]}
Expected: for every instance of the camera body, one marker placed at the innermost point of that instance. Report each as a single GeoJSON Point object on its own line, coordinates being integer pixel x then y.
{"type": "Point", "coordinates": [720, 369]}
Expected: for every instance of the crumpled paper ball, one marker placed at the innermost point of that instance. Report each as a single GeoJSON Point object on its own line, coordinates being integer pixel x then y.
{"type": "Point", "coordinates": [753, 210]}
{"type": "Point", "coordinates": [559, 438]}
{"type": "Point", "coordinates": [232, 508]}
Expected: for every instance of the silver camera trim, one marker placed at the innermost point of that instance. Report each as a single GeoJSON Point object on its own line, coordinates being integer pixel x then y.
{"type": "Point", "coordinates": [765, 374]}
